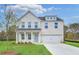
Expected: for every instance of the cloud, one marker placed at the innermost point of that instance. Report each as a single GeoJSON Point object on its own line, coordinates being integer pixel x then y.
{"type": "Point", "coordinates": [58, 8]}
{"type": "Point", "coordinates": [75, 17]}
{"type": "Point", "coordinates": [54, 8]}
{"type": "Point", "coordinates": [2, 11]}
{"type": "Point", "coordinates": [71, 8]}
{"type": "Point", "coordinates": [33, 7]}
{"type": "Point", "coordinates": [71, 17]}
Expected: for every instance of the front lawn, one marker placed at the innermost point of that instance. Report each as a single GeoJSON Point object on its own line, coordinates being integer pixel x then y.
{"type": "Point", "coordinates": [72, 43]}
{"type": "Point", "coordinates": [23, 49]}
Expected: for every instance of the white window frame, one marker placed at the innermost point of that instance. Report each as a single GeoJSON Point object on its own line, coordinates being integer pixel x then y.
{"type": "Point", "coordinates": [36, 24]}
{"type": "Point", "coordinates": [56, 25]}
{"type": "Point", "coordinates": [46, 25]}
{"type": "Point", "coordinates": [29, 24]}
{"type": "Point", "coordinates": [23, 25]}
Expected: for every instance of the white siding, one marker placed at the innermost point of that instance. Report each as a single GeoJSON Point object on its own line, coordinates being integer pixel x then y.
{"type": "Point", "coordinates": [29, 18]}
{"type": "Point", "coordinates": [50, 31]}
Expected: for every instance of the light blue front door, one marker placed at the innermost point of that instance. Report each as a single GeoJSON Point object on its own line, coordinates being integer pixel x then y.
{"type": "Point", "coordinates": [29, 36]}
{"type": "Point", "coordinates": [36, 37]}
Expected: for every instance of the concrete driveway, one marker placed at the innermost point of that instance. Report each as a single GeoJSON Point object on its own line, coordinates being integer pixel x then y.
{"type": "Point", "coordinates": [62, 49]}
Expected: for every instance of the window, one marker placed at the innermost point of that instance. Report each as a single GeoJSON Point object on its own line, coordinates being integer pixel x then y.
{"type": "Point", "coordinates": [22, 36]}
{"type": "Point", "coordinates": [23, 25]}
{"type": "Point", "coordinates": [29, 36]}
{"type": "Point", "coordinates": [54, 18]}
{"type": "Point", "coordinates": [36, 24]}
{"type": "Point", "coordinates": [56, 25]}
{"type": "Point", "coordinates": [46, 25]}
{"type": "Point", "coordinates": [29, 24]}
{"type": "Point", "coordinates": [50, 17]}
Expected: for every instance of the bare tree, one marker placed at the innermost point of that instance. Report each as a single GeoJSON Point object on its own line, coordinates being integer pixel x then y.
{"type": "Point", "coordinates": [10, 19]}
{"type": "Point", "coordinates": [65, 31]}
{"type": "Point", "coordinates": [74, 28]}
{"type": "Point", "coordinates": [65, 28]}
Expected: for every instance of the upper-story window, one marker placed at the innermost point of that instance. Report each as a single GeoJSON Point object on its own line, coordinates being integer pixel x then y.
{"type": "Point", "coordinates": [56, 25]}
{"type": "Point", "coordinates": [54, 18]}
{"type": "Point", "coordinates": [29, 24]}
{"type": "Point", "coordinates": [46, 25]}
{"type": "Point", "coordinates": [36, 24]}
{"type": "Point", "coordinates": [23, 25]}
{"type": "Point", "coordinates": [50, 17]}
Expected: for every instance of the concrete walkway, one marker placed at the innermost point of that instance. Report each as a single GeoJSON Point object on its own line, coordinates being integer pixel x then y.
{"type": "Point", "coordinates": [62, 49]}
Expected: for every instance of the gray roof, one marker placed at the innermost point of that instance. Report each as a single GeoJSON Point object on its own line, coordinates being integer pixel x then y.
{"type": "Point", "coordinates": [58, 19]}
{"type": "Point", "coordinates": [41, 18]}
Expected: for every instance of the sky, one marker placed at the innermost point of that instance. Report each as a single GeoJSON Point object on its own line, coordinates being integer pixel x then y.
{"type": "Point", "coordinates": [68, 12]}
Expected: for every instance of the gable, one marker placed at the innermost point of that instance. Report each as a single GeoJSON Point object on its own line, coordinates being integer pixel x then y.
{"type": "Point", "coordinates": [29, 16]}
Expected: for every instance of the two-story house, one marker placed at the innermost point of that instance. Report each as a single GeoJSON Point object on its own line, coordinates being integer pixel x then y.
{"type": "Point", "coordinates": [48, 29]}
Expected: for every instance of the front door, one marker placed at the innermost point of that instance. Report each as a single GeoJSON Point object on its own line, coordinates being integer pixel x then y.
{"type": "Point", "coordinates": [36, 37]}
{"type": "Point", "coordinates": [29, 36]}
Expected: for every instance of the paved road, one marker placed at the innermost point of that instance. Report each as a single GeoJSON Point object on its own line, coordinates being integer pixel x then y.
{"type": "Point", "coordinates": [62, 49]}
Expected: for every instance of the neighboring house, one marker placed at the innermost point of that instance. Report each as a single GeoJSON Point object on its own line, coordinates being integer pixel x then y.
{"type": "Point", "coordinates": [48, 29]}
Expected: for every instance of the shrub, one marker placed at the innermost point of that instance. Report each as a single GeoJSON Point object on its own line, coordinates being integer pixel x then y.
{"type": "Point", "coordinates": [8, 39]}
{"type": "Point", "coordinates": [75, 41]}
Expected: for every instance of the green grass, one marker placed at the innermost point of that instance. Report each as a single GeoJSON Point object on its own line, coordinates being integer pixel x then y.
{"type": "Point", "coordinates": [72, 43]}
{"type": "Point", "coordinates": [24, 49]}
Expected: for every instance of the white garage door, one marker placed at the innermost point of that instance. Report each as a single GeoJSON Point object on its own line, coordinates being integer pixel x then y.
{"type": "Point", "coordinates": [51, 39]}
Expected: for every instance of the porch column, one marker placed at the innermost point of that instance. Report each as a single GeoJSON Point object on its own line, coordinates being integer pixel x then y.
{"type": "Point", "coordinates": [39, 37]}
{"type": "Point", "coordinates": [20, 40]}
{"type": "Point", "coordinates": [17, 37]}
{"type": "Point", "coordinates": [32, 37]}
{"type": "Point", "coordinates": [25, 36]}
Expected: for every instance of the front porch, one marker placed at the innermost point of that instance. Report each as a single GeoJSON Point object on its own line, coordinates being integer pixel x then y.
{"type": "Point", "coordinates": [28, 36]}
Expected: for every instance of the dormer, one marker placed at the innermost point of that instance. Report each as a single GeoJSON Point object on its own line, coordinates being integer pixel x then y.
{"type": "Point", "coordinates": [50, 18]}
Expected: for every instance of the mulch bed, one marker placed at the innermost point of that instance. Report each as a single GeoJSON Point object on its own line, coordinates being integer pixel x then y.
{"type": "Point", "coordinates": [8, 53]}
